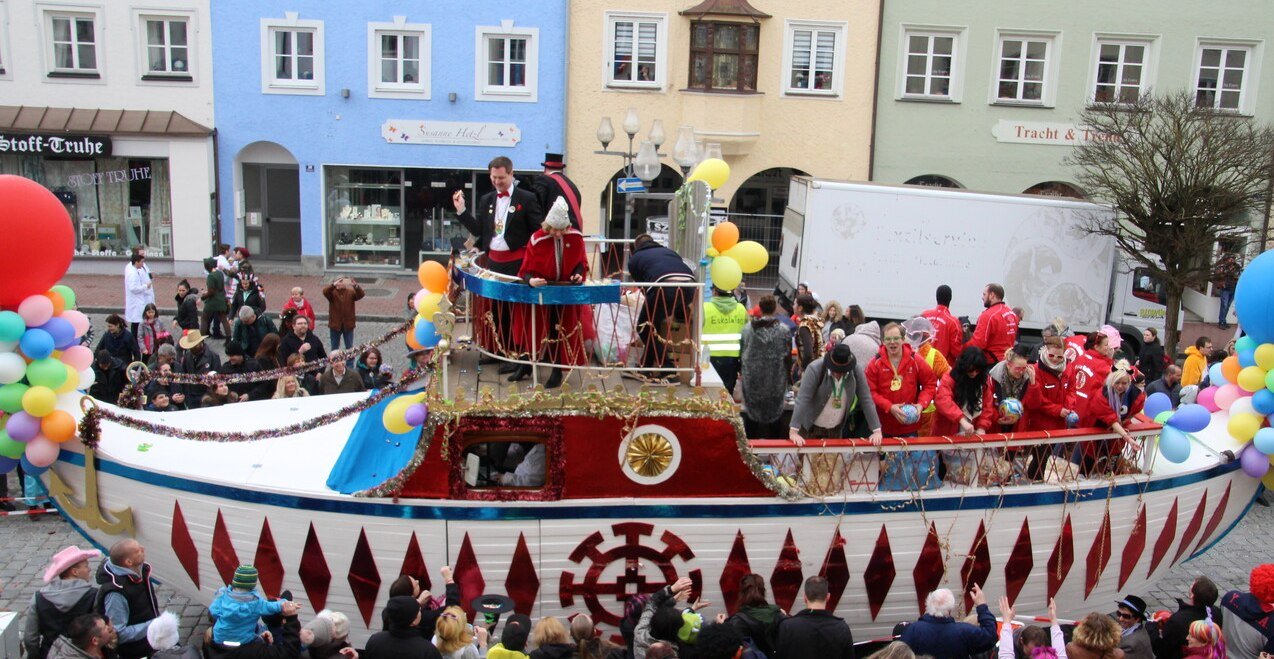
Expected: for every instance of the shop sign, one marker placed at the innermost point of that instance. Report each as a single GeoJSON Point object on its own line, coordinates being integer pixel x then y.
{"type": "Point", "coordinates": [1038, 132]}
{"type": "Point", "coordinates": [91, 146]}
{"type": "Point", "coordinates": [451, 133]}
{"type": "Point", "coordinates": [112, 176]}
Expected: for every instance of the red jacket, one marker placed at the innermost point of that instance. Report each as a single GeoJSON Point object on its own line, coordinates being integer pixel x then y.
{"type": "Point", "coordinates": [1045, 400]}
{"type": "Point", "coordinates": [918, 388]}
{"type": "Point", "coordinates": [996, 332]}
{"type": "Point", "coordinates": [948, 335]}
{"type": "Point", "coordinates": [947, 419]}
{"type": "Point", "coordinates": [1087, 376]}
{"type": "Point", "coordinates": [1075, 347]}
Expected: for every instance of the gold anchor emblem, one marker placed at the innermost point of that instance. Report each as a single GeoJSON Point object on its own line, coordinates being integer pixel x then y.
{"type": "Point", "coordinates": [91, 512]}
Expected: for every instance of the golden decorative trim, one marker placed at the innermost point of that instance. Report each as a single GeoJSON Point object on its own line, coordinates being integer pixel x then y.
{"type": "Point", "coordinates": [90, 512]}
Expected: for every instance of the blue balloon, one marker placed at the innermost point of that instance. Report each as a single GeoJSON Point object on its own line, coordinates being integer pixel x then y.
{"type": "Point", "coordinates": [1254, 298]}
{"type": "Point", "coordinates": [1263, 402]}
{"type": "Point", "coordinates": [1157, 403]}
{"type": "Point", "coordinates": [7, 464]}
{"type": "Point", "coordinates": [1264, 441]}
{"type": "Point", "coordinates": [1245, 342]}
{"type": "Point", "coordinates": [63, 332]}
{"type": "Point", "coordinates": [1247, 358]}
{"type": "Point", "coordinates": [1190, 418]}
{"type": "Point", "coordinates": [1174, 445]}
{"type": "Point", "coordinates": [1216, 377]}
{"type": "Point", "coordinates": [30, 469]}
{"type": "Point", "coordinates": [426, 333]}
{"type": "Point", "coordinates": [36, 343]}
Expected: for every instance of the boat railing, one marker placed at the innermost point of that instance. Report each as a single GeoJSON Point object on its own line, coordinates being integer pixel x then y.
{"type": "Point", "coordinates": [838, 467]}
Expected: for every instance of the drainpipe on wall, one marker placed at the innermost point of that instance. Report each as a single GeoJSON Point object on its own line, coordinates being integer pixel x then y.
{"type": "Point", "coordinates": [216, 194]}
{"type": "Point", "coordinates": [875, 93]}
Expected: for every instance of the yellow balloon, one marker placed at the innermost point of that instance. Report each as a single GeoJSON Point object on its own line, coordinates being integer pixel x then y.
{"type": "Point", "coordinates": [726, 275]}
{"type": "Point", "coordinates": [1243, 427]}
{"type": "Point", "coordinates": [1252, 379]}
{"type": "Point", "coordinates": [1265, 356]}
{"type": "Point", "coordinates": [72, 381]}
{"type": "Point", "coordinates": [712, 253]}
{"type": "Point", "coordinates": [394, 417]}
{"type": "Point", "coordinates": [713, 171]}
{"type": "Point", "coordinates": [751, 255]}
{"type": "Point", "coordinates": [427, 305]}
{"type": "Point", "coordinates": [39, 401]}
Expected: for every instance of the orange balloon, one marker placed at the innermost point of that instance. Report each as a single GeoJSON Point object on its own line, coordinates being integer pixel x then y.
{"type": "Point", "coordinates": [433, 276]}
{"type": "Point", "coordinates": [411, 340]}
{"type": "Point", "coordinates": [58, 426]}
{"type": "Point", "coordinates": [59, 302]}
{"type": "Point", "coordinates": [1230, 368]}
{"type": "Point", "coordinates": [724, 236]}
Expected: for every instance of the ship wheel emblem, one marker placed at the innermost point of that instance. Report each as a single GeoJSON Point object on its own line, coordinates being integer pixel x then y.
{"type": "Point", "coordinates": [633, 559]}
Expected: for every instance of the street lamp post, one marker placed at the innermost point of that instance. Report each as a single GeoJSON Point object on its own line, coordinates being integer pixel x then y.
{"type": "Point", "coordinates": [642, 163]}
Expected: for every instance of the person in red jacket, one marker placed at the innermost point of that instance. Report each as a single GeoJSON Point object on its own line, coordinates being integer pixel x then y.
{"type": "Point", "coordinates": [1087, 374]}
{"type": "Point", "coordinates": [966, 399]}
{"type": "Point", "coordinates": [1119, 403]}
{"type": "Point", "coordinates": [898, 377]}
{"type": "Point", "coordinates": [1045, 403]}
{"type": "Point", "coordinates": [997, 326]}
{"type": "Point", "coordinates": [948, 336]}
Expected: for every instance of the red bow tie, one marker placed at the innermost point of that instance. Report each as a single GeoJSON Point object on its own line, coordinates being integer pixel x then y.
{"type": "Point", "coordinates": [501, 195]}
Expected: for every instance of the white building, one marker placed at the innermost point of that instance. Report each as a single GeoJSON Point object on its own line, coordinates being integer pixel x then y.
{"type": "Point", "coordinates": [109, 104]}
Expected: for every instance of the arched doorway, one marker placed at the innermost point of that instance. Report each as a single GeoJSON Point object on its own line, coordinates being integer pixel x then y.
{"type": "Point", "coordinates": [934, 181]}
{"type": "Point", "coordinates": [1055, 189]}
{"type": "Point", "coordinates": [765, 192]}
{"type": "Point", "coordinates": [639, 209]}
{"type": "Point", "coordinates": [267, 176]}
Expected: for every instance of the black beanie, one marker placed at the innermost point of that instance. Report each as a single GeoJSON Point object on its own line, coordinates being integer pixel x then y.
{"type": "Point", "coordinates": [402, 611]}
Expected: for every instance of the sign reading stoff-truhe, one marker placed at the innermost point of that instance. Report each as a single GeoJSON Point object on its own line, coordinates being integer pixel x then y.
{"type": "Point", "coordinates": [86, 146]}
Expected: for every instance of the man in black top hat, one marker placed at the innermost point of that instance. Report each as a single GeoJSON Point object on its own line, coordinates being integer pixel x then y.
{"type": "Point", "coordinates": [1131, 615]}
{"type": "Point", "coordinates": [553, 183]}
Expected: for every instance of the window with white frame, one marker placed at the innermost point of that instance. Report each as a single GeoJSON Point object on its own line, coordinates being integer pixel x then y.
{"type": "Point", "coordinates": [1222, 81]}
{"type": "Point", "coordinates": [291, 56]}
{"type": "Point", "coordinates": [812, 58]}
{"type": "Point", "coordinates": [1122, 71]}
{"type": "Point", "coordinates": [1023, 74]}
{"type": "Point", "coordinates": [167, 47]}
{"type": "Point", "coordinates": [398, 59]}
{"type": "Point", "coordinates": [930, 61]}
{"type": "Point", "coordinates": [4, 41]}
{"type": "Point", "coordinates": [73, 44]}
{"type": "Point", "coordinates": [635, 47]}
{"type": "Point", "coordinates": [507, 63]}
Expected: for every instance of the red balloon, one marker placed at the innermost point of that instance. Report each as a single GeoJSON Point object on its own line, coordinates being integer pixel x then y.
{"type": "Point", "coordinates": [38, 237]}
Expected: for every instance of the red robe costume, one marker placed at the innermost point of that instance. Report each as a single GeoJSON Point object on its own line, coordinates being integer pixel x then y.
{"type": "Point", "coordinates": [560, 330]}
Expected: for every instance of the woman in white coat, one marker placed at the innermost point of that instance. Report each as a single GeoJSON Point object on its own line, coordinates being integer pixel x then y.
{"type": "Point", "coordinates": [139, 290]}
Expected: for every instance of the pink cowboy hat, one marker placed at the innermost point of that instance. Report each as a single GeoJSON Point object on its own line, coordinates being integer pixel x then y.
{"type": "Point", "coordinates": [66, 558]}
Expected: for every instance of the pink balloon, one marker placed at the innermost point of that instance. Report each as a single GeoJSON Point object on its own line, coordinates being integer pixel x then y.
{"type": "Point", "coordinates": [78, 320]}
{"type": "Point", "coordinates": [36, 310]}
{"type": "Point", "coordinates": [1207, 398]}
{"type": "Point", "coordinates": [78, 357]}
{"type": "Point", "coordinates": [1226, 395]}
{"type": "Point", "coordinates": [42, 452]}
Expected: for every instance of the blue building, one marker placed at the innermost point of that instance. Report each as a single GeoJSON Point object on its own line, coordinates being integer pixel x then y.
{"type": "Point", "coordinates": [344, 127]}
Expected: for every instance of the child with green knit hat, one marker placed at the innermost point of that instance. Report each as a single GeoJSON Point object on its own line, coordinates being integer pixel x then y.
{"type": "Point", "coordinates": [238, 609]}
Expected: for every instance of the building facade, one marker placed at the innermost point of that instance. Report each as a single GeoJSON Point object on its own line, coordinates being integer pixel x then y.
{"type": "Point", "coordinates": [781, 87]}
{"type": "Point", "coordinates": [109, 105]}
{"type": "Point", "coordinates": [345, 127]}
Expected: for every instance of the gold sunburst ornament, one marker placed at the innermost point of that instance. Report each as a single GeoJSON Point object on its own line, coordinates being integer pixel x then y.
{"type": "Point", "coordinates": [649, 454]}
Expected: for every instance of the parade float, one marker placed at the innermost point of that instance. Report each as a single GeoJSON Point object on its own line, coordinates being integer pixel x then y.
{"type": "Point", "coordinates": [333, 497]}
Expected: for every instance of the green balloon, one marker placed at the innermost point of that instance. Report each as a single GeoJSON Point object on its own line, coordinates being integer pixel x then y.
{"type": "Point", "coordinates": [11, 397]}
{"type": "Point", "coordinates": [11, 326]}
{"type": "Point", "coordinates": [68, 295]}
{"type": "Point", "coordinates": [1269, 380]}
{"type": "Point", "coordinates": [1163, 417]}
{"type": "Point", "coordinates": [47, 372]}
{"type": "Point", "coordinates": [11, 448]}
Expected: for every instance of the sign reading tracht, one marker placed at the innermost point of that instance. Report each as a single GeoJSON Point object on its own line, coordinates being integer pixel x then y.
{"type": "Point", "coordinates": [453, 133]}
{"type": "Point", "coordinates": [1036, 132]}
{"type": "Point", "coordinates": [56, 145]}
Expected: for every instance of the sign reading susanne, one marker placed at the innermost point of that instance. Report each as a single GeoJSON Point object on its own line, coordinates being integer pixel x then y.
{"type": "Point", "coordinates": [453, 133]}
{"type": "Point", "coordinates": [91, 146]}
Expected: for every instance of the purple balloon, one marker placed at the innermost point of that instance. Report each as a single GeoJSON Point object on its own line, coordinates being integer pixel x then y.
{"type": "Point", "coordinates": [62, 331]}
{"type": "Point", "coordinates": [416, 414]}
{"type": "Point", "coordinates": [7, 464]}
{"type": "Point", "coordinates": [22, 427]}
{"type": "Point", "coordinates": [1190, 418]}
{"type": "Point", "coordinates": [1255, 463]}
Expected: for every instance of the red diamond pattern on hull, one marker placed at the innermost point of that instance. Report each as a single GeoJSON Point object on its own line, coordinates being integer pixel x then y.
{"type": "Point", "coordinates": [364, 578]}
{"type": "Point", "coordinates": [977, 565]}
{"type": "Point", "coordinates": [786, 579]}
{"type": "Point", "coordinates": [836, 570]}
{"type": "Point", "coordinates": [523, 582]}
{"type": "Point", "coordinates": [1166, 536]}
{"type": "Point", "coordinates": [468, 575]}
{"type": "Point", "coordinates": [315, 577]}
{"type": "Point", "coordinates": [879, 575]}
{"type": "Point", "coordinates": [1216, 518]}
{"type": "Point", "coordinates": [1062, 558]}
{"type": "Point", "coordinates": [414, 564]}
{"type": "Point", "coordinates": [269, 567]}
{"type": "Point", "coordinates": [184, 545]}
{"type": "Point", "coordinates": [1192, 528]}
{"type": "Point", "coordinates": [736, 567]}
{"type": "Point", "coordinates": [929, 567]}
{"type": "Point", "coordinates": [1098, 556]}
{"type": "Point", "coordinates": [223, 555]}
{"type": "Point", "coordinates": [1134, 549]}
{"type": "Point", "coordinates": [1021, 561]}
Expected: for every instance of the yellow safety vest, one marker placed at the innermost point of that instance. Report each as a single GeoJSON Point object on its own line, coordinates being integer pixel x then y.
{"type": "Point", "coordinates": [933, 354]}
{"type": "Point", "coordinates": [722, 332]}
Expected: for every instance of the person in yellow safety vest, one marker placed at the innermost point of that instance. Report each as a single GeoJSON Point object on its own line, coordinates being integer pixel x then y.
{"type": "Point", "coordinates": [723, 321]}
{"type": "Point", "coordinates": [920, 332]}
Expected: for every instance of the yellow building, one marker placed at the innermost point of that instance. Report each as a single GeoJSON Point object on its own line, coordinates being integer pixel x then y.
{"type": "Point", "coordinates": [783, 87]}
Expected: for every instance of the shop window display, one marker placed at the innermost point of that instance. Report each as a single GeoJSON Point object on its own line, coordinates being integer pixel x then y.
{"type": "Point", "coordinates": [365, 211]}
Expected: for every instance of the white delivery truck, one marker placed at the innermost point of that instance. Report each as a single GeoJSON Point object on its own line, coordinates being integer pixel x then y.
{"type": "Point", "coordinates": [888, 248]}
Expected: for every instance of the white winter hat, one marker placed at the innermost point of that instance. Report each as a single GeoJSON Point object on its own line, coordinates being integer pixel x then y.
{"type": "Point", "coordinates": [162, 631]}
{"type": "Point", "coordinates": [559, 216]}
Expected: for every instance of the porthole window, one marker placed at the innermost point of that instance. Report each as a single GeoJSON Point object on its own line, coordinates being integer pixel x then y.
{"type": "Point", "coordinates": [650, 454]}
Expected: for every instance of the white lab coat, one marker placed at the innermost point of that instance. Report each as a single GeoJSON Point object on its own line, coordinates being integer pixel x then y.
{"type": "Point", "coordinates": [138, 292]}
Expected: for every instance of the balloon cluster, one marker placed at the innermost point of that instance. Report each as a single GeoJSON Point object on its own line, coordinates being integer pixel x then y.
{"type": "Point", "coordinates": [42, 364]}
{"type": "Point", "coordinates": [428, 300]}
{"type": "Point", "coordinates": [713, 171]}
{"type": "Point", "coordinates": [731, 258]}
{"type": "Point", "coordinates": [405, 412]}
{"type": "Point", "coordinates": [1174, 445]}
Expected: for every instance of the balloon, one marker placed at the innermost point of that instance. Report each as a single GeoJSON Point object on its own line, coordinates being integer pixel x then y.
{"type": "Point", "coordinates": [433, 276]}
{"type": "Point", "coordinates": [427, 304]}
{"type": "Point", "coordinates": [751, 255]}
{"type": "Point", "coordinates": [58, 426]}
{"type": "Point", "coordinates": [1246, 358]}
{"type": "Point", "coordinates": [22, 427]}
{"type": "Point", "coordinates": [12, 367]}
{"type": "Point", "coordinates": [36, 310]}
{"type": "Point", "coordinates": [11, 326]}
{"type": "Point", "coordinates": [1207, 398]}
{"type": "Point", "coordinates": [1264, 441]}
{"type": "Point", "coordinates": [39, 401]}
{"type": "Point", "coordinates": [1252, 378]}
{"type": "Point", "coordinates": [36, 343]}
{"type": "Point", "coordinates": [1217, 376]}
{"type": "Point", "coordinates": [31, 469]}
{"type": "Point", "coordinates": [1243, 405]}
{"type": "Point", "coordinates": [712, 252]}
{"type": "Point", "coordinates": [1225, 396]}
{"type": "Point", "coordinates": [1264, 355]}
{"type": "Point", "coordinates": [1269, 380]}
{"type": "Point", "coordinates": [726, 273]}
{"type": "Point", "coordinates": [1156, 404]}
{"type": "Point", "coordinates": [1230, 368]}
{"type": "Point", "coordinates": [68, 295]}
{"type": "Point", "coordinates": [1254, 463]}
{"type": "Point", "coordinates": [1244, 426]}
{"type": "Point", "coordinates": [71, 383]}
{"type": "Point", "coordinates": [410, 338]}
{"type": "Point", "coordinates": [11, 397]}
{"type": "Point", "coordinates": [39, 239]}
{"type": "Point", "coordinates": [59, 304]}
{"type": "Point", "coordinates": [62, 331]}
{"type": "Point", "coordinates": [11, 448]}
{"type": "Point", "coordinates": [725, 236]}
{"type": "Point", "coordinates": [1191, 418]}
{"type": "Point", "coordinates": [1253, 298]}
{"type": "Point", "coordinates": [78, 321]}
{"type": "Point", "coordinates": [1263, 402]}
{"type": "Point", "coordinates": [713, 171]}
{"type": "Point", "coordinates": [78, 357]}
{"type": "Point", "coordinates": [1174, 445]}
{"type": "Point", "coordinates": [1245, 342]}
{"type": "Point", "coordinates": [1162, 417]}
{"type": "Point", "coordinates": [416, 414]}
{"type": "Point", "coordinates": [394, 414]}
{"type": "Point", "coordinates": [7, 464]}
{"type": "Point", "coordinates": [41, 452]}
{"type": "Point", "coordinates": [87, 378]}
{"type": "Point", "coordinates": [47, 372]}
{"type": "Point", "coordinates": [426, 333]}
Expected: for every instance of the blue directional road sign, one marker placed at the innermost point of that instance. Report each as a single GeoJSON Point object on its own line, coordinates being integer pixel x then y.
{"type": "Point", "coordinates": [630, 184]}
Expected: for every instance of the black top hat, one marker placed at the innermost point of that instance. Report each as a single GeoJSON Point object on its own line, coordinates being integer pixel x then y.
{"type": "Point", "coordinates": [554, 160]}
{"type": "Point", "coordinates": [1134, 604]}
{"type": "Point", "coordinates": [491, 604]}
{"type": "Point", "coordinates": [841, 359]}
